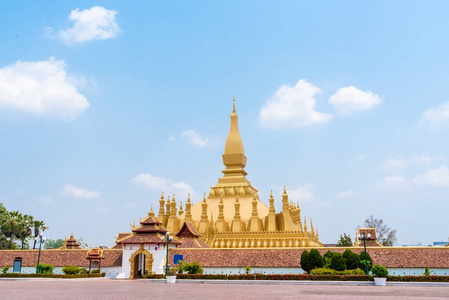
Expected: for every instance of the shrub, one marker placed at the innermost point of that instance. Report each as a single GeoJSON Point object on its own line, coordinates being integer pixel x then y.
{"type": "Point", "coordinates": [5, 269]}
{"type": "Point", "coordinates": [338, 262]}
{"type": "Point", "coordinates": [315, 259]}
{"type": "Point", "coordinates": [193, 267]}
{"type": "Point", "coordinates": [353, 261]}
{"type": "Point", "coordinates": [247, 270]}
{"type": "Point", "coordinates": [363, 265]}
{"type": "Point", "coordinates": [95, 271]}
{"type": "Point", "coordinates": [379, 271]}
{"type": "Point", "coordinates": [362, 256]}
{"type": "Point", "coordinates": [70, 270]}
{"type": "Point", "coordinates": [427, 272]}
{"type": "Point", "coordinates": [328, 254]}
{"type": "Point", "coordinates": [46, 269]}
{"type": "Point", "coordinates": [327, 271]}
{"type": "Point", "coordinates": [305, 265]}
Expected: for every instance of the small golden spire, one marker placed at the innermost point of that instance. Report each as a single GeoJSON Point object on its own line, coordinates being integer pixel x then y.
{"type": "Point", "coordinates": [162, 196]}
{"type": "Point", "coordinates": [204, 199]}
{"type": "Point", "coordinates": [233, 104]}
{"type": "Point", "coordinates": [285, 190]}
{"type": "Point", "coordinates": [271, 194]}
{"type": "Point", "coordinates": [188, 198]}
{"type": "Point", "coordinates": [305, 224]}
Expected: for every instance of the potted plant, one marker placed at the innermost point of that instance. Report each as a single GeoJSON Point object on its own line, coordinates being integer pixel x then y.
{"type": "Point", "coordinates": [380, 275]}
{"type": "Point", "coordinates": [171, 276]}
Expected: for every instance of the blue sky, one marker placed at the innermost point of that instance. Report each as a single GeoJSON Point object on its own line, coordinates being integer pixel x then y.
{"type": "Point", "coordinates": [105, 103]}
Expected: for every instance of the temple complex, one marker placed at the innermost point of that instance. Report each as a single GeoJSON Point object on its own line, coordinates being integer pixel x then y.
{"type": "Point", "coordinates": [232, 215]}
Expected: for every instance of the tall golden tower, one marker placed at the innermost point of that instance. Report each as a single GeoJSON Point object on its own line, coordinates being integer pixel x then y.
{"type": "Point", "coordinates": [232, 216]}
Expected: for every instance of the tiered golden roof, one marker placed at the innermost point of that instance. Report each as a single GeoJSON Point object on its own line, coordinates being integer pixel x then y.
{"type": "Point", "coordinates": [232, 216]}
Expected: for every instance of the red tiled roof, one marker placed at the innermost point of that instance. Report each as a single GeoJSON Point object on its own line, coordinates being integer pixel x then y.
{"type": "Point", "coordinates": [193, 243]}
{"type": "Point", "coordinates": [150, 220]}
{"type": "Point", "coordinates": [188, 230]}
{"type": "Point", "coordinates": [142, 238]}
{"type": "Point", "coordinates": [59, 258]}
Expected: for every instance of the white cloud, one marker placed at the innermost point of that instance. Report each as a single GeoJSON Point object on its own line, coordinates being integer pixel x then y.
{"type": "Point", "coordinates": [292, 107]}
{"type": "Point", "coordinates": [96, 23]}
{"type": "Point", "coordinates": [162, 184]}
{"type": "Point", "coordinates": [361, 157]}
{"type": "Point", "coordinates": [437, 117]}
{"type": "Point", "coordinates": [346, 195]}
{"type": "Point", "coordinates": [350, 99]}
{"type": "Point", "coordinates": [72, 191]}
{"type": "Point", "coordinates": [394, 164]}
{"type": "Point", "coordinates": [434, 177]}
{"type": "Point", "coordinates": [392, 183]}
{"type": "Point", "coordinates": [194, 138]}
{"type": "Point", "coordinates": [303, 193]}
{"type": "Point", "coordinates": [45, 200]}
{"type": "Point", "coordinates": [41, 88]}
{"type": "Point", "coordinates": [426, 159]}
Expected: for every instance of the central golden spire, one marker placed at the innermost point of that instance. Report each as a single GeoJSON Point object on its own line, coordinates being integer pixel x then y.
{"type": "Point", "coordinates": [234, 154]}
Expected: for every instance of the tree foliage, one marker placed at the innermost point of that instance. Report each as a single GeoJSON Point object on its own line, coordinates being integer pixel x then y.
{"type": "Point", "coordinates": [338, 262]}
{"type": "Point", "coordinates": [15, 226]}
{"type": "Point", "coordinates": [345, 241]}
{"type": "Point", "coordinates": [305, 265]}
{"type": "Point", "coordinates": [385, 235]}
{"type": "Point", "coordinates": [53, 244]}
{"type": "Point", "coordinates": [315, 259]}
{"type": "Point", "coordinates": [352, 259]}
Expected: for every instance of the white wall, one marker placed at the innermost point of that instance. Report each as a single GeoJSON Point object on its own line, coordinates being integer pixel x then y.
{"type": "Point", "coordinates": [110, 271]}
{"type": "Point", "coordinates": [158, 258]}
{"type": "Point", "coordinates": [253, 270]}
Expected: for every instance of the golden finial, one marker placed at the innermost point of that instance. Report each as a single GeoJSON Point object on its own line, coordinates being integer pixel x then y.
{"type": "Point", "coordinates": [297, 203]}
{"type": "Point", "coordinates": [173, 200]}
{"type": "Point", "coordinates": [180, 206]}
{"type": "Point", "coordinates": [168, 199]}
{"type": "Point", "coordinates": [271, 194]}
{"type": "Point", "coordinates": [71, 236]}
{"type": "Point", "coordinates": [305, 223]}
{"type": "Point", "coordinates": [204, 199]}
{"type": "Point", "coordinates": [356, 237]}
{"type": "Point", "coordinates": [162, 196]}
{"type": "Point", "coordinates": [188, 198]}
{"type": "Point", "coordinates": [285, 190]}
{"type": "Point", "coordinates": [233, 104]}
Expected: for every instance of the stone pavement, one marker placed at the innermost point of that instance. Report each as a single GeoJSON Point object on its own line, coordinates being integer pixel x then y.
{"type": "Point", "coordinates": [105, 288]}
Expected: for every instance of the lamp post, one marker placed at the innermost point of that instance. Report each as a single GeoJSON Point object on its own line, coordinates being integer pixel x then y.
{"type": "Point", "coordinates": [40, 239]}
{"type": "Point", "coordinates": [363, 238]}
{"type": "Point", "coordinates": [167, 239]}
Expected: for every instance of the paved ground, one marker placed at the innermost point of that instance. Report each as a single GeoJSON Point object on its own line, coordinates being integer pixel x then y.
{"type": "Point", "coordinates": [128, 289]}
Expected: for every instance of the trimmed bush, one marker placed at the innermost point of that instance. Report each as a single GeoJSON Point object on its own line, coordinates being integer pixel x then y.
{"type": "Point", "coordinates": [362, 256]}
{"type": "Point", "coordinates": [353, 261]}
{"type": "Point", "coordinates": [338, 262]}
{"type": "Point", "coordinates": [190, 268]}
{"type": "Point", "coordinates": [315, 259]}
{"type": "Point", "coordinates": [328, 254]}
{"type": "Point", "coordinates": [305, 265]}
{"type": "Point", "coordinates": [379, 271]}
{"type": "Point", "coordinates": [70, 270]}
{"type": "Point", "coordinates": [46, 269]}
{"type": "Point", "coordinates": [364, 262]}
{"type": "Point", "coordinates": [327, 271]}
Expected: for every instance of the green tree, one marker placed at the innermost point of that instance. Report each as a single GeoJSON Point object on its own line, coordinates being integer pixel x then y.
{"type": "Point", "coordinates": [53, 244]}
{"type": "Point", "coordinates": [38, 226]}
{"type": "Point", "coordinates": [338, 262]}
{"type": "Point", "coordinates": [352, 259]}
{"type": "Point", "coordinates": [385, 235]}
{"type": "Point", "coordinates": [315, 259]}
{"type": "Point", "coordinates": [305, 264]}
{"type": "Point", "coordinates": [345, 241]}
{"type": "Point", "coordinates": [10, 226]}
{"type": "Point", "coordinates": [25, 229]}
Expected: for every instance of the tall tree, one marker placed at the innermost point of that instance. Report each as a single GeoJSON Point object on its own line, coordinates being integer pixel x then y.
{"type": "Point", "coordinates": [25, 228]}
{"type": "Point", "coordinates": [38, 227]}
{"type": "Point", "coordinates": [385, 235]}
{"type": "Point", "coordinates": [53, 244]}
{"type": "Point", "coordinates": [345, 241]}
{"type": "Point", "coordinates": [10, 226]}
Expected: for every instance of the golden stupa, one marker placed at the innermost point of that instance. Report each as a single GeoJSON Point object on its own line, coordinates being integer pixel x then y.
{"type": "Point", "coordinates": [232, 216]}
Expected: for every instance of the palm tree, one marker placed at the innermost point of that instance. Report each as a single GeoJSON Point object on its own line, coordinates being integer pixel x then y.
{"type": "Point", "coordinates": [38, 227]}
{"type": "Point", "coordinates": [10, 226]}
{"type": "Point", "coordinates": [25, 227]}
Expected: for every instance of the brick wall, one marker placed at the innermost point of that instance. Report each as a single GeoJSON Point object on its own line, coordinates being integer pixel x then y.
{"type": "Point", "coordinates": [391, 257]}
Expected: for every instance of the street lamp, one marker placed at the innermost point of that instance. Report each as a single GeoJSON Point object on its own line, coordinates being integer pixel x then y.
{"type": "Point", "coordinates": [40, 240]}
{"type": "Point", "coordinates": [167, 239]}
{"type": "Point", "coordinates": [363, 238]}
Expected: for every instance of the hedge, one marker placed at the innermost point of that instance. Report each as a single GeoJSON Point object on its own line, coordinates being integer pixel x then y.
{"type": "Point", "coordinates": [22, 275]}
{"type": "Point", "coordinates": [433, 278]}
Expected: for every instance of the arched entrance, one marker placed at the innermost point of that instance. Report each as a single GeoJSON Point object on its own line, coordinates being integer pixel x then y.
{"type": "Point", "coordinates": [142, 261]}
